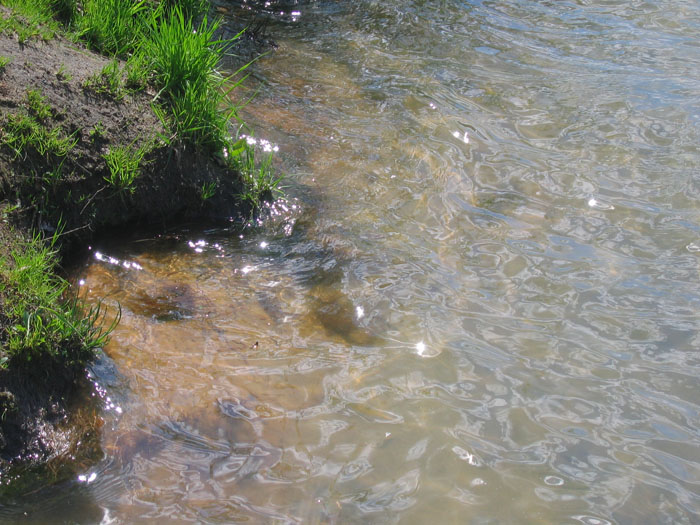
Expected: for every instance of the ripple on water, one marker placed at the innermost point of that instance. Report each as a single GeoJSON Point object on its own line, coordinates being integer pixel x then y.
{"type": "Point", "coordinates": [483, 304]}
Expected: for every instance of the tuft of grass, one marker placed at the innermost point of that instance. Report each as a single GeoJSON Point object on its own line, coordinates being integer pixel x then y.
{"type": "Point", "coordinates": [39, 326]}
{"type": "Point", "coordinates": [260, 183]}
{"type": "Point", "coordinates": [113, 27]}
{"type": "Point", "coordinates": [107, 82]}
{"type": "Point", "coordinates": [54, 175]}
{"type": "Point", "coordinates": [3, 62]}
{"type": "Point", "coordinates": [28, 134]}
{"type": "Point", "coordinates": [98, 132]}
{"type": "Point", "coordinates": [63, 75]}
{"type": "Point", "coordinates": [124, 166]}
{"type": "Point", "coordinates": [137, 72]}
{"type": "Point", "coordinates": [207, 190]}
{"type": "Point", "coordinates": [22, 133]}
{"type": "Point", "coordinates": [184, 61]}
{"type": "Point", "coordinates": [30, 19]}
{"type": "Point", "coordinates": [182, 54]}
{"type": "Point", "coordinates": [37, 105]}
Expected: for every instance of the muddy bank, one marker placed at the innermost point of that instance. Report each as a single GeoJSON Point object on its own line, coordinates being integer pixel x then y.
{"type": "Point", "coordinates": [58, 133]}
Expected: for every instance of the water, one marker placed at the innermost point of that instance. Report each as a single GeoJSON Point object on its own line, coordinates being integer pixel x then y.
{"type": "Point", "coordinates": [479, 304]}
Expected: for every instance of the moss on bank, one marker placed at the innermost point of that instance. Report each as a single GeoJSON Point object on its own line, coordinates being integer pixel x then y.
{"type": "Point", "coordinates": [89, 142]}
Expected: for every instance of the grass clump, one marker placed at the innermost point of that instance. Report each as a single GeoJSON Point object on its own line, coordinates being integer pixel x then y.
{"type": "Point", "coordinates": [137, 72]}
{"type": "Point", "coordinates": [124, 166]}
{"type": "Point", "coordinates": [31, 19]}
{"type": "Point", "coordinates": [259, 179]}
{"type": "Point", "coordinates": [108, 81]}
{"type": "Point", "coordinates": [37, 105]}
{"type": "Point", "coordinates": [38, 325]}
{"type": "Point", "coordinates": [207, 190]}
{"type": "Point", "coordinates": [3, 62]}
{"type": "Point", "coordinates": [114, 27]}
{"type": "Point", "coordinates": [28, 132]}
{"type": "Point", "coordinates": [37, 148]}
{"type": "Point", "coordinates": [184, 59]}
{"type": "Point", "coordinates": [24, 135]}
{"type": "Point", "coordinates": [63, 75]}
{"type": "Point", "coordinates": [182, 54]}
{"type": "Point", "coordinates": [98, 132]}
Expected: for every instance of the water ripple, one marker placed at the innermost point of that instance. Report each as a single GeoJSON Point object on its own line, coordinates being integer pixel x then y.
{"type": "Point", "coordinates": [508, 188]}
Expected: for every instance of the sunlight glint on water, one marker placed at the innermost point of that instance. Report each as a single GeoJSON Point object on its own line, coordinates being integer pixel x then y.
{"type": "Point", "coordinates": [481, 308]}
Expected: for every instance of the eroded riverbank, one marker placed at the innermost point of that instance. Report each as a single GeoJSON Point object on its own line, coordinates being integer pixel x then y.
{"type": "Point", "coordinates": [86, 146]}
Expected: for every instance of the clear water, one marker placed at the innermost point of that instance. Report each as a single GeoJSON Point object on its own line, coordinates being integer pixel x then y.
{"type": "Point", "coordinates": [479, 304]}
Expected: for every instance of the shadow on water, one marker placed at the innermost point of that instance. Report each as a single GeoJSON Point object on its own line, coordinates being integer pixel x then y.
{"type": "Point", "coordinates": [318, 267]}
{"type": "Point", "coordinates": [37, 494]}
{"type": "Point", "coordinates": [161, 283]}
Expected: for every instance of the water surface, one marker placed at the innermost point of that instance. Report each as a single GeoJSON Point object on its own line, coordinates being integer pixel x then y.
{"type": "Point", "coordinates": [479, 303]}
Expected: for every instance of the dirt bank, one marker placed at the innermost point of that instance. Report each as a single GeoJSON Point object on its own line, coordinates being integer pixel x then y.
{"type": "Point", "coordinates": [172, 175]}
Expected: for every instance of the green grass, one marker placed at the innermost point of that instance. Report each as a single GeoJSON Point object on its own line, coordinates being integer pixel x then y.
{"type": "Point", "coordinates": [259, 179]}
{"type": "Point", "coordinates": [38, 147]}
{"type": "Point", "coordinates": [184, 60]}
{"type": "Point", "coordinates": [124, 166]}
{"type": "Point", "coordinates": [171, 46]}
{"type": "Point", "coordinates": [98, 132]}
{"type": "Point", "coordinates": [37, 105]}
{"type": "Point", "coordinates": [63, 75]}
{"type": "Point", "coordinates": [207, 190]}
{"type": "Point", "coordinates": [108, 81]}
{"type": "Point", "coordinates": [113, 27]}
{"type": "Point", "coordinates": [181, 53]}
{"type": "Point", "coordinates": [28, 132]}
{"type": "Point", "coordinates": [38, 324]}
{"type": "Point", "coordinates": [30, 19]}
{"type": "Point", "coordinates": [137, 72]}
{"type": "Point", "coordinates": [164, 47]}
{"type": "Point", "coordinates": [23, 134]}
{"type": "Point", "coordinates": [3, 62]}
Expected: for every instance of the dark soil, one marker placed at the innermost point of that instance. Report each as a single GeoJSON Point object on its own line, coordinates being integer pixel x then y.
{"type": "Point", "coordinates": [35, 415]}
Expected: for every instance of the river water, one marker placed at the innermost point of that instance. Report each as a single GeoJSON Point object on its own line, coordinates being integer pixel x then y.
{"type": "Point", "coordinates": [478, 303]}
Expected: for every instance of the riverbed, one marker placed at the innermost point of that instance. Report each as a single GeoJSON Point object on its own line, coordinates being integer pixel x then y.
{"type": "Point", "coordinates": [476, 303]}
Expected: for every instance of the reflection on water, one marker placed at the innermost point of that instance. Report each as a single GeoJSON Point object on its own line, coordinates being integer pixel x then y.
{"type": "Point", "coordinates": [484, 310]}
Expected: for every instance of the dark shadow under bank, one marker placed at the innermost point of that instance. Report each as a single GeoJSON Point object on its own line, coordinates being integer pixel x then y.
{"type": "Point", "coordinates": [32, 491]}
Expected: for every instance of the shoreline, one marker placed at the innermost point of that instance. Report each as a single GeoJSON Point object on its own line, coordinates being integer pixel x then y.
{"type": "Point", "coordinates": [77, 158]}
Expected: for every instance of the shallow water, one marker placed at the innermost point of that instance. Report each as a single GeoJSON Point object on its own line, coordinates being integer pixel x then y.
{"type": "Point", "coordinates": [478, 305]}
